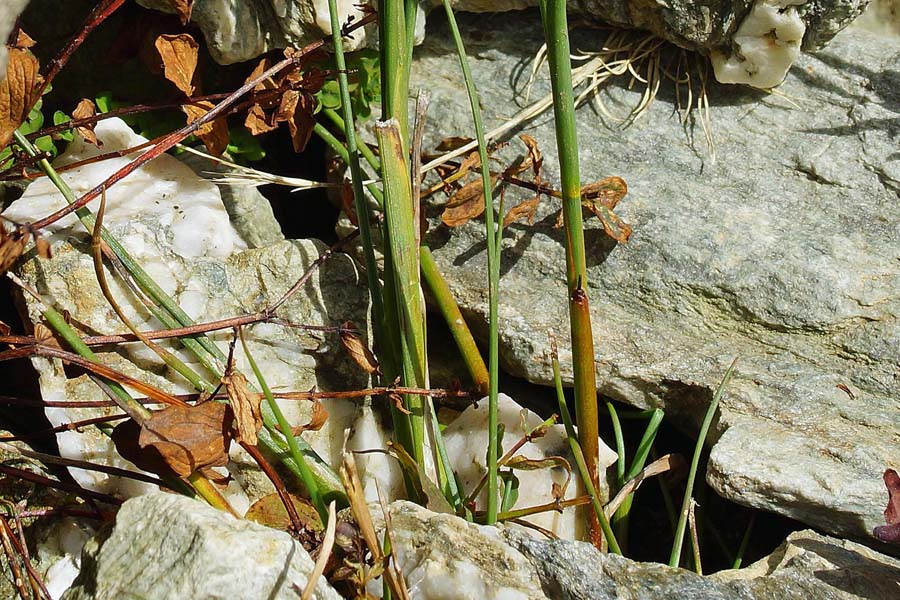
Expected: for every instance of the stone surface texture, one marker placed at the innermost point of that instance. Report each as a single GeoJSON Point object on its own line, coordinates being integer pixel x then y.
{"type": "Point", "coordinates": [444, 557]}
{"type": "Point", "coordinates": [166, 546]}
{"type": "Point", "coordinates": [752, 42]}
{"type": "Point", "coordinates": [806, 565]}
{"type": "Point", "coordinates": [783, 251]}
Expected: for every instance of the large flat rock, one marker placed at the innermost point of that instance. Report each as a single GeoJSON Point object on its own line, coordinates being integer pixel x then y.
{"type": "Point", "coordinates": [783, 250]}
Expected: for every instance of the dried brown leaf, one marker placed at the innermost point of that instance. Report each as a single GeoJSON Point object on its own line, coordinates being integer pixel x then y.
{"type": "Point", "coordinates": [256, 122]}
{"type": "Point", "coordinates": [182, 9]}
{"type": "Point", "coordinates": [523, 211]}
{"type": "Point", "coordinates": [534, 160]}
{"type": "Point", "coordinates": [42, 247]}
{"type": "Point", "coordinates": [302, 123]}
{"type": "Point", "coordinates": [12, 244]}
{"type": "Point", "coordinates": [188, 438]}
{"type": "Point", "coordinates": [179, 54]}
{"type": "Point", "coordinates": [448, 144]}
{"type": "Point", "coordinates": [23, 40]}
{"type": "Point", "coordinates": [18, 92]}
{"type": "Point", "coordinates": [358, 350]}
{"type": "Point", "coordinates": [607, 191]}
{"type": "Point", "coordinates": [465, 204]}
{"type": "Point", "coordinates": [245, 407]}
{"type": "Point", "coordinates": [287, 107]}
{"type": "Point", "coordinates": [261, 67]}
{"type": "Point", "coordinates": [316, 421]}
{"type": "Point", "coordinates": [43, 335]}
{"type": "Point", "coordinates": [613, 225]}
{"type": "Point", "coordinates": [523, 463]}
{"type": "Point", "coordinates": [213, 134]}
{"type": "Point", "coordinates": [270, 511]}
{"type": "Point", "coordinates": [84, 110]}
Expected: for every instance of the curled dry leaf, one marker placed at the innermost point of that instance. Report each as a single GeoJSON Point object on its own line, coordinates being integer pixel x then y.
{"type": "Point", "coordinates": [188, 438]}
{"type": "Point", "coordinates": [182, 8]}
{"type": "Point", "coordinates": [12, 245]}
{"type": "Point", "coordinates": [358, 350]}
{"type": "Point", "coordinates": [244, 406]}
{"type": "Point", "coordinates": [523, 211]}
{"type": "Point", "coordinates": [465, 204]}
{"type": "Point", "coordinates": [534, 160]}
{"type": "Point", "coordinates": [891, 532]}
{"type": "Point", "coordinates": [318, 419]}
{"type": "Point", "coordinates": [257, 122]}
{"type": "Point", "coordinates": [84, 110]}
{"type": "Point", "coordinates": [270, 511]}
{"type": "Point", "coordinates": [213, 134]}
{"type": "Point", "coordinates": [179, 54]}
{"type": "Point", "coordinates": [448, 144]}
{"type": "Point", "coordinates": [600, 198]}
{"type": "Point", "coordinates": [18, 91]}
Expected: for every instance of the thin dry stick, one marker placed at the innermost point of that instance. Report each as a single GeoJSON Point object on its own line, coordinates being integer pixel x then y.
{"type": "Point", "coordinates": [692, 525]}
{"type": "Point", "coordinates": [273, 476]}
{"type": "Point", "coordinates": [32, 573]}
{"type": "Point", "coordinates": [324, 554]}
{"type": "Point", "coordinates": [657, 467]}
{"type": "Point", "coordinates": [81, 464]}
{"type": "Point", "coordinates": [12, 559]}
{"type": "Point", "coordinates": [59, 485]}
{"type": "Point", "coordinates": [72, 426]}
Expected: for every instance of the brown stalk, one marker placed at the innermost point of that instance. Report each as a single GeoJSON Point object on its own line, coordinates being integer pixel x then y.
{"type": "Point", "coordinates": [73, 426]}
{"type": "Point", "coordinates": [59, 485]}
{"type": "Point", "coordinates": [272, 474]}
{"type": "Point", "coordinates": [12, 559]}
{"type": "Point", "coordinates": [32, 573]}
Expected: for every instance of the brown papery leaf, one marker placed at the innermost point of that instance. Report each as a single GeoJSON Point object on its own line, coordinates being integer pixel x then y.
{"type": "Point", "coordinates": [358, 350]}
{"type": "Point", "coordinates": [614, 227]}
{"type": "Point", "coordinates": [316, 421]}
{"type": "Point", "coordinates": [84, 110]}
{"type": "Point", "coordinates": [213, 134]}
{"type": "Point", "coordinates": [261, 67]}
{"type": "Point", "coordinates": [607, 191]}
{"type": "Point", "coordinates": [465, 204]}
{"type": "Point", "coordinates": [448, 144]}
{"type": "Point", "coordinates": [245, 407]}
{"type": "Point", "coordinates": [182, 9]}
{"type": "Point", "coordinates": [256, 121]}
{"type": "Point", "coordinates": [179, 53]}
{"type": "Point", "coordinates": [301, 126]}
{"type": "Point", "coordinates": [18, 93]}
{"type": "Point", "coordinates": [524, 210]}
{"type": "Point", "coordinates": [42, 247]}
{"type": "Point", "coordinates": [188, 437]}
{"type": "Point", "coordinates": [12, 244]}
{"type": "Point", "coordinates": [23, 40]}
{"type": "Point", "coordinates": [269, 511]}
{"type": "Point", "coordinates": [535, 159]}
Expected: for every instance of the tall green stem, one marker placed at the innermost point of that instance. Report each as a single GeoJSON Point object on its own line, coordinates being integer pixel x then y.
{"type": "Point", "coordinates": [493, 244]}
{"type": "Point", "coordinates": [556, 32]}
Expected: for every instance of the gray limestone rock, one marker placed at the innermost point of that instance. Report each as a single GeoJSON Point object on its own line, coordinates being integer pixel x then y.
{"type": "Point", "coordinates": [783, 251]}
{"type": "Point", "coordinates": [806, 565]}
{"type": "Point", "coordinates": [166, 546]}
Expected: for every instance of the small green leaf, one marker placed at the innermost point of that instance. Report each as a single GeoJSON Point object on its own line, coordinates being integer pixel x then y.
{"type": "Point", "coordinates": [59, 117]}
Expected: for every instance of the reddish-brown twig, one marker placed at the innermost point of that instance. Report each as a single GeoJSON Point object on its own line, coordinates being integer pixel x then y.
{"type": "Point", "coordinates": [60, 485]}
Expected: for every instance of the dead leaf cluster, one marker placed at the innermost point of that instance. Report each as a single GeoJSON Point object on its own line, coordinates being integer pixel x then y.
{"type": "Point", "coordinates": [20, 89]}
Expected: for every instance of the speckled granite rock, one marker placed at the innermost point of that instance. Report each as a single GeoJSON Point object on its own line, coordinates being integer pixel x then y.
{"type": "Point", "coordinates": [784, 252]}
{"type": "Point", "coordinates": [165, 546]}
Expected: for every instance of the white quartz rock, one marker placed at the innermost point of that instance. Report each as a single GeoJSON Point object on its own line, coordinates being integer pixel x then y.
{"type": "Point", "coordinates": [466, 439]}
{"type": "Point", "coordinates": [766, 45]}
{"type": "Point", "coordinates": [161, 204]}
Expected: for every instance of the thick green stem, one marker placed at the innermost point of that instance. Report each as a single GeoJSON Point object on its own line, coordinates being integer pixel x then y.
{"type": "Point", "coordinates": [556, 32]}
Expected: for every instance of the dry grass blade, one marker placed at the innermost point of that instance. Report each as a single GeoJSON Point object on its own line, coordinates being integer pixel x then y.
{"type": "Point", "coordinates": [360, 509]}
{"type": "Point", "coordinates": [661, 465]}
{"type": "Point", "coordinates": [324, 554]}
{"type": "Point", "coordinates": [692, 525]}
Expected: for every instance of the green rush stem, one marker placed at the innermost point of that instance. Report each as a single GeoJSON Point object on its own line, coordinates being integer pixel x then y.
{"type": "Point", "coordinates": [446, 303]}
{"type": "Point", "coordinates": [395, 54]}
{"type": "Point", "coordinates": [309, 481]}
{"type": "Point", "coordinates": [621, 518]}
{"type": "Point", "coordinates": [402, 249]}
{"type": "Point", "coordinates": [493, 241]}
{"type": "Point", "coordinates": [675, 557]}
{"type": "Point", "coordinates": [739, 558]}
{"type": "Point", "coordinates": [359, 198]}
{"type": "Point", "coordinates": [553, 13]}
{"type": "Point", "coordinates": [575, 448]}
